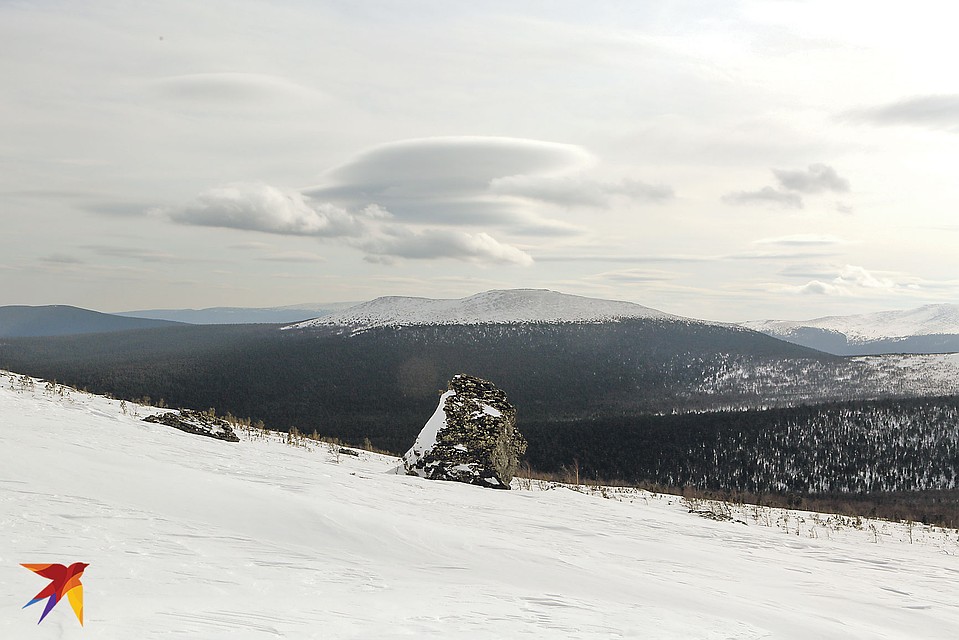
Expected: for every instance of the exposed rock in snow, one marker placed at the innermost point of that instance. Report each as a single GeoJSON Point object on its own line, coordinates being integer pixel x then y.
{"type": "Point", "coordinates": [470, 438]}
{"type": "Point", "coordinates": [197, 423]}
{"type": "Point", "coordinates": [512, 306]}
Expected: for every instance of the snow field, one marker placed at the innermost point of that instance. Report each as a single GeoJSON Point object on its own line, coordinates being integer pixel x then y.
{"type": "Point", "coordinates": [189, 537]}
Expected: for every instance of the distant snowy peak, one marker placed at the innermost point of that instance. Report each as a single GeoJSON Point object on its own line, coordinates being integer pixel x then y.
{"type": "Point", "coordinates": [511, 306]}
{"type": "Point", "coordinates": [931, 319]}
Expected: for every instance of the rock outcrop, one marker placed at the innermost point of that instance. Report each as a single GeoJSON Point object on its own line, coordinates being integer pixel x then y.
{"type": "Point", "coordinates": [471, 437]}
{"type": "Point", "coordinates": [199, 423]}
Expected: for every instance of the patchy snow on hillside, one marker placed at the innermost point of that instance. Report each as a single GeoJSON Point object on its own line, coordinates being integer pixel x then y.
{"type": "Point", "coordinates": [932, 319]}
{"type": "Point", "coordinates": [512, 306]}
{"type": "Point", "coordinates": [190, 537]}
{"type": "Point", "coordinates": [792, 382]}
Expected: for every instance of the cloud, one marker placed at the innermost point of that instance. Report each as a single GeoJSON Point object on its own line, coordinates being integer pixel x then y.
{"type": "Point", "coordinates": [61, 258]}
{"type": "Point", "coordinates": [473, 180]}
{"type": "Point", "coordinates": [234, 90]}
{"type": "Point", "coordinates": [261, 207]}
{"type": "Point", "coordinates": [816, 179]}
{"type": "Point", "coordinates": [577, 190]}
{"type": "Point", "coordinates": [429, 244]}
{"type": "Point", "coordinates": [372, 229]}
{"type": "Point", "coordinates": [854, 280]}
{"type": "Point", "coordinates": [930, 111]}
{"type": "Point", "coordinates": [137, 253]}
{"type": "Point", "coordinates": [801, 240]}
{"type": "Point", "coordinates": [293, 256]}
{"type": "Point", "coordinates": [766, 195]}
{"type": "Point", "coordinates": [450, 165]}
{"type": "Point", "coordinates": [842, 207]}
{"type": "Point", "coordinates": [634, 276]}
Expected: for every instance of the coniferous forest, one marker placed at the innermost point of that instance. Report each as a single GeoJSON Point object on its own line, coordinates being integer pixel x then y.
{"type": "Point", "coordinates": [676, 404]}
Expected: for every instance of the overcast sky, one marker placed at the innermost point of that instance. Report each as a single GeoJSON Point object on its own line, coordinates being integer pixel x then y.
{"type": "Point", "coordinates": [722, 160]}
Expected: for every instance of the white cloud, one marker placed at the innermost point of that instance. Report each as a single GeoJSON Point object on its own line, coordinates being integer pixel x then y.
{"type": "Point", "coordinates": [261, 207]}
{"type": "Point", "coordinates": [474, 180]}
{"type": "Point", "coordinates": [854, 280]}
{"type": "Point", "coordinates": [372, 229]}
{"type": "Point", "coordinates": [428, 244]}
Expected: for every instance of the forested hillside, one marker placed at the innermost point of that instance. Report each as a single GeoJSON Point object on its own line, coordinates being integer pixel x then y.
{"type": "Point", "coordinates": [875, 446]}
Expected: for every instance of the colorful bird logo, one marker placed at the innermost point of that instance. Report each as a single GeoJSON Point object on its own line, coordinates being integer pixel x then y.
{"type": "Point", "coordinates": [64, 581]}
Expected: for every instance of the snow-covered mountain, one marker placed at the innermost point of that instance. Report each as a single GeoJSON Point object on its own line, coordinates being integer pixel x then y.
{"type": "Point", "coordinates": [191, 537]}
{"type": "Point", "coordinates": [510, 306]}
{"type": "Point", "coordinates": [927, 329]}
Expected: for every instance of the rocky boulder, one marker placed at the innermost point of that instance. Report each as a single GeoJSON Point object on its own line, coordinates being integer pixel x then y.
{"type": "Point", "coordinates": [471, 437]}
{"type": "Point", "coordinates": [201, 423]}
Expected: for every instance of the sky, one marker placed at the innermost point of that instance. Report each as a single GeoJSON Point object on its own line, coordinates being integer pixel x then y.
{"type": "Point", "coordinates": [727, 161]}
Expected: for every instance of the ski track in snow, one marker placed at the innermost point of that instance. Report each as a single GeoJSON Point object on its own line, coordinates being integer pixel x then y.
{"type": "Point", "coordinates": [190, 537]}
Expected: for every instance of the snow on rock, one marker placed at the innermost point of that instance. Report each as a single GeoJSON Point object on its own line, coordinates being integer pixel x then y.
{"type": "Point", "coordinates": [199, 423]}
{"type": "Point", "coordinates": [512, 306]}
{"type": "Point", "coordinates": [188, 538]}
{"type": "Point", "coordinates": [931, 319]}
{"type": "Point", "coordinates": [470, 438]}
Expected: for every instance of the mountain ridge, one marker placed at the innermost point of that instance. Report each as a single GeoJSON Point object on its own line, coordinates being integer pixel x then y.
{"type": "Point", "coordinates": [25, 321]}
{"type": "Point", "coordinates": [497, 306]}
{"type": "Point", "coordinates": [931, 328]}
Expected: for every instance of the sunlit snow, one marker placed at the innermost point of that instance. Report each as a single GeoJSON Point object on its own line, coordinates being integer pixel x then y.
{"type": "Point", "coordinates": [189, 537]}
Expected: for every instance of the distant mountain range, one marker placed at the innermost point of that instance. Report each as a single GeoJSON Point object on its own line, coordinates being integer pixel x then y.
{"type": "Point", "coordinates": [926, 329]}
{"type": "Point", "coordinates": [242, 315]}
{"type": "Point", "coordinates": [932, 328]}
{"type": "Point", "coordinates": [19, 321]}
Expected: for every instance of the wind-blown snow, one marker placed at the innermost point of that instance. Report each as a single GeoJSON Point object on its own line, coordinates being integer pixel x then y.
{"type": "Point", "coordinates": [189, 537]}
{"type": "Point", "coordinates": [512, 306]}
{"type": "Point", "coordinates": [428, 434]}
{"type": "Point", "coordinates": [931, 319]}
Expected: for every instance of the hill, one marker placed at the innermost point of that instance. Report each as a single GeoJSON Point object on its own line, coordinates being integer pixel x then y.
{"type": "Point", "coordinates": [931, 328]}
{"type": "Point", "coordinates": [510, 306]}
{"type": "Point", "coordinates": [60, 320]}
{"type": "Point", "coordinates": [193, 537]}
{"type": "Point", "coordinates": [241, 315]}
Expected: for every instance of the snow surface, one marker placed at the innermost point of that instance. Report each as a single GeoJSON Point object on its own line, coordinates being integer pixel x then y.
{"type": "Point", "coordinates": [512, 306]}
{"type": "Point", "coordinates": [427, 436]}
{"type": "Point", "coordinates": [189, 537]}
{"type": "Point", "coordinates": [931, 319]}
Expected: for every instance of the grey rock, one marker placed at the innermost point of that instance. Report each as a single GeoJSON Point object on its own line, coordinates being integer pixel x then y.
{"type": "Point", "coordinates": [199, 423]}
{"type": "Point", "coordinates": [471, 438]}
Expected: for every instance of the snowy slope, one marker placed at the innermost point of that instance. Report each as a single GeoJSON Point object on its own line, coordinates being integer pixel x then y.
{"type": "Point", "coordinates": [932, 319]}
{"type": "Point", "coordinates": [512, 306]}
{"type": "Point", "coordinates": [189, 537]}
